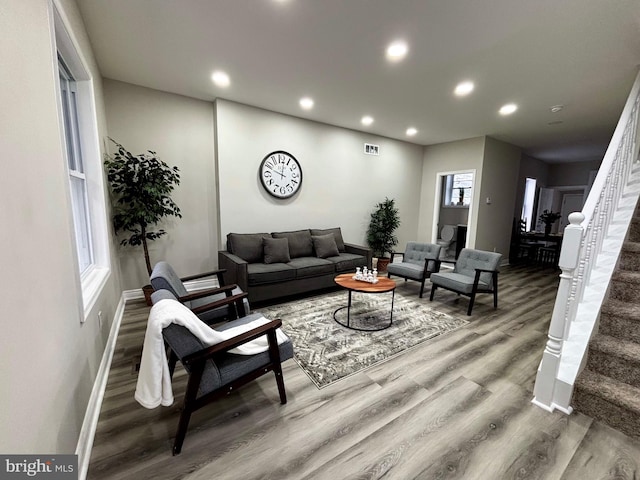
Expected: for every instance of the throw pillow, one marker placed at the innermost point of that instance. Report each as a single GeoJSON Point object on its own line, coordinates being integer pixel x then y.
{"type": "Point", "coordinates": [276, 250]}
{"type": "Point", "coordinates": [336, 232]}
{"type": "Point", "coordinates": [325, 245]}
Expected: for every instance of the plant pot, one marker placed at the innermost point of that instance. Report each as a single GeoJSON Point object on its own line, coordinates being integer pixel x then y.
{"type": "Point", "coordinates": [147, 290]}
{"type": "Point", "coordinates": [547, 229]}
{"type": "Point", "coordinates": [382, 264]}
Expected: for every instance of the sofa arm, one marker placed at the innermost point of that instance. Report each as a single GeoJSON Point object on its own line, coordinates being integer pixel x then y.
{"type": "Point", "coordinates": [360, 250]}
{"type": "Point", "coordinates": [236, 269]}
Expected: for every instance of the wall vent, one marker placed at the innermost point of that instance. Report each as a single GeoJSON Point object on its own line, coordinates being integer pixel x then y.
{"type": "Point", "coordinates": [371, 149]}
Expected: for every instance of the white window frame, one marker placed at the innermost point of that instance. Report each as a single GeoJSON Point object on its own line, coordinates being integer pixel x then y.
{"type": "Point", "coordinates": [528, 202]}
{"type": "Point", "coordinates": [92, 279]}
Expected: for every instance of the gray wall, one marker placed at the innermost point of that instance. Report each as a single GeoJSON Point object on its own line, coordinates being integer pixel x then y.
{"type": "Point", "coordinates": [181, 131]}
{"type": "Point", "coordinates": [568, 174]}
{"type": "Point", "coordinates": [341, 184]}
{"type": "Point", "coordinates": [499, 178]}
{"type": "Point", "coordinates": [49, 359]}
{"type": "Point", "coordinates": [448, 157]}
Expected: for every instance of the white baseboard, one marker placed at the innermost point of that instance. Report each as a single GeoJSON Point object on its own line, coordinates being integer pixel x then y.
{"type": "Point", "coordinates": [90, 423]}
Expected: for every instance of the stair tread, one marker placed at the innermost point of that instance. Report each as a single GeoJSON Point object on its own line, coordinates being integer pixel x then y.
{"type": "Point", "coordinates": [617, 347]}
{"type": "Point", "coordinates": [613, 391]}
{"type": "Point", "coordinates": [620, 308]}
{"type": "Point", "coordinates": [631, 246]}
{"type": "Point", "coordinates": [626, 276]}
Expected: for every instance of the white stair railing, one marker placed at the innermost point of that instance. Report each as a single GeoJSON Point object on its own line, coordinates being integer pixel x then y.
{"type": "Point", "coordinates": [586, 266]}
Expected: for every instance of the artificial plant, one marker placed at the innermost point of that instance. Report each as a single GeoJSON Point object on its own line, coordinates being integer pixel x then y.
{"type": "Point", "coordinates": [141, 186]}
{"type": "Point", "coordinates": [382, 226]}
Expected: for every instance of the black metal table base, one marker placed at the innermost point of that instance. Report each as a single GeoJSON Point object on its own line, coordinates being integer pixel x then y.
{"type": "Point", "coordinates": [351, 327]}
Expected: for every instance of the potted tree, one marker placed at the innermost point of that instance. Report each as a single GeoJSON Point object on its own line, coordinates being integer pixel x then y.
{"type": "Point", "coordinates": [548, 218]}
{"type": "Point", "coordinates": [380, 234]}
{"type": "Point", "coordinates": [140, 190]}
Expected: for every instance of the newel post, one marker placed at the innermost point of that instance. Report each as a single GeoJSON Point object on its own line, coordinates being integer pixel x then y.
{"type": "Point", "coordinates": [545, 389]}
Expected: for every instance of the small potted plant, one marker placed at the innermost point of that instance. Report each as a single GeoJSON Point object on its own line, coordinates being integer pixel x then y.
{"type": "Point", "coordinates": [380, 234]}
{"type": "Point", "coordinates": [548, 218]}
{"type": "Point", "coordinates": [140, 189]}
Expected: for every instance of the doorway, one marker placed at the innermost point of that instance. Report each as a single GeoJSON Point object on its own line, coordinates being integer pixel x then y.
{"type": "Point", "coordinates": [453, 206]}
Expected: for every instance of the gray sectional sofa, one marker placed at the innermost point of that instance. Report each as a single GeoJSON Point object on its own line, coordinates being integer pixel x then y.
{"type": "Point", "coordinates": [279, 264]}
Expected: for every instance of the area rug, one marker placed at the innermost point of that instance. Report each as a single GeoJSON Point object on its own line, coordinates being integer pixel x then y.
{"type": "Point", "coordinates": [328, 352]}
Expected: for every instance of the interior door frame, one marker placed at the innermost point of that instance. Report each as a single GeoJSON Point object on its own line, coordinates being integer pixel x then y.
{"type": "Point", "coordinates": [438, 202]}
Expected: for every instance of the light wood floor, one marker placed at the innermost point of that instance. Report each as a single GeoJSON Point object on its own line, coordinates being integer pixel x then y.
{"type": "Point", "coordinates": [458, 406]}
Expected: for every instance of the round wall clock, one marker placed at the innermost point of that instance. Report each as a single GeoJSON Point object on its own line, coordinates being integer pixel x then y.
{"type": "Point", "coordinates": [280, 174]}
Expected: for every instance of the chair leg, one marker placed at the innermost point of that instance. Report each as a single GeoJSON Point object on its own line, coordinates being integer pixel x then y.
{"type": "Point", "coordinates": [433, 289]}
{"type": "Point", "coordinates": [495, 290]}
{"type": "Point", "coordinates": [421, 287]}
{"type": "Point", "coordinates": [183, 424]}
{"type": "Point", "coordinates": [471, 300]}
{"type": "Point", "coordinates": [280, 381]}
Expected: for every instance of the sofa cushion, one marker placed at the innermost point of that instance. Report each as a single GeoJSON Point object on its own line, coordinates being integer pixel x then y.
{"type": "Point", "coordinates": [347, 262]}
{"type": "Point", "coordinates": [311, 266]}
{"type": "Point", "coordinates": [337, 233]}
{"type": "Point", "coordinates": [276, 250]}
{"type": "Point", "coordinates": [259, 273]}
{"type": "Point", "coordinates": [247, 246]}
{"type": "Point", "coordinates": [325, 245]}
{"type": "Point", "coordinates": [300, 244]}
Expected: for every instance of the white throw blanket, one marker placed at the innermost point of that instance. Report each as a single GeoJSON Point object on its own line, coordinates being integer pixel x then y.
{"type": "Point", "coordinates": [154, 382]}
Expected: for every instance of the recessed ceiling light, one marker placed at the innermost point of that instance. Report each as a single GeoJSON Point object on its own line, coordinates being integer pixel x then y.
{"type": "Point", "coordinates": [556, 108]}
{"type": "Point", "coordinates": [464, 88]}
{"type": "Point", "coordinates": [220, 78]}
{"type": "Point", "coordinates": [411, 131]}
{"type": "Point", "coordinates": [306, 103]}
{"type": "Point", "coordinates": [367, 120]}
{"type": "Point", "coordinates": [508, 109]}
{"type": "Point", "coordinates": [397, 51]}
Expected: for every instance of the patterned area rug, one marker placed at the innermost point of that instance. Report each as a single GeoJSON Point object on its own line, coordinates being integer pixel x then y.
{"type": "Point", "coordinates": [328, 352]}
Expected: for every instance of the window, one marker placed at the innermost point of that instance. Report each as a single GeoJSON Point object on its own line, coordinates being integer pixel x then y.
{"type": "Point", "coordinates": [77, 178]}
{"type": "Point", "coordinates": [527, 204]}
{"type": "Point", "coordinates": [79, 135]}
{"type": "Point", "coordinates": [458, 188]}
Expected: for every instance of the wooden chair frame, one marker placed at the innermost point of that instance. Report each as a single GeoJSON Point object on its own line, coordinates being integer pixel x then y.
{"type": "Point", "coordinates": [476, 287]}
{"type": "Point", "coordinates": [196, 364]}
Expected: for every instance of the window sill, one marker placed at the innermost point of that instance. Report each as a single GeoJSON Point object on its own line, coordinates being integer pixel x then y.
{"type": "Point", "coordinates": [93, 281]}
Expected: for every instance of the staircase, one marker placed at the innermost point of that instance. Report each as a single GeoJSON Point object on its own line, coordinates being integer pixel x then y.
{"type": "Point", "coordinates": [609, 387]}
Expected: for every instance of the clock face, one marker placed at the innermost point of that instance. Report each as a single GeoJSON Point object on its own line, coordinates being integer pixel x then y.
{"type": "Point", "coordinates": [280, 174]}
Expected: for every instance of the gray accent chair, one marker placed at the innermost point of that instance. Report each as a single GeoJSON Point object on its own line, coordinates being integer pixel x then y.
{"type": "Point", "coordinates": [475, 271]}
{"type": "Point", "coordinates": [213, 371]}
{"type": "Point", "coordinates": [203, 302]}
{"type": "Point", "coordinates": [419, 261]}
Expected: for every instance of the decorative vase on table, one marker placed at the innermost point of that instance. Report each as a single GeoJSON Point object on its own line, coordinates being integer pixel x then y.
{"type": "Point", "coordinates": [547, 229]}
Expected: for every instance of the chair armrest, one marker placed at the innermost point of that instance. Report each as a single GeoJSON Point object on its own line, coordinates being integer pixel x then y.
{"type": "Point", "coordinates": [436, 266]}
{"type": "Point", "coordinates": [205, 293]}
{"type": "Point", "coordinates": [486, 271]}
{"type": "Point", "coordinates": [218, 273]}
{"type": "Point", "coordinates": [393, 254]}
{"type": "Point", "coordinates": [441, 261]}
{"type": "Point", "coordinates": [228, 300]}
{"type": "Point", "coordinates": [227, 345]}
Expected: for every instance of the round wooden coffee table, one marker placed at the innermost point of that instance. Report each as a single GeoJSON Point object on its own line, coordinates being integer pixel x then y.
{"type": "Point", "coordinates": [347, 281]}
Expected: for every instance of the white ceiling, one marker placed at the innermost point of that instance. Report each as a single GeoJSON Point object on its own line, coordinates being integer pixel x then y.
{"type": "Point", "coordinates": [583, 54]}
